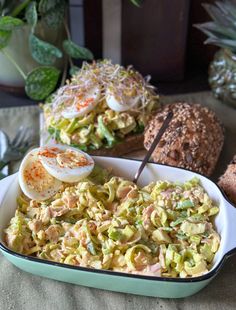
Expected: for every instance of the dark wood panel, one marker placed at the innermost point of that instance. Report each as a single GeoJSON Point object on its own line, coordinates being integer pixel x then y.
{"type": "Point", "coordinates": [199, 54]}
{"type": "Point", "coordinates": [93, 26]}
{"type": "Point", "coordinates": [154, 37]}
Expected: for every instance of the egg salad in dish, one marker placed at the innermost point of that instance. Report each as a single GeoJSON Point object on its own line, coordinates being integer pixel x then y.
{"type": "Point", "coordinates": [107, 222]}
{"type": "Point", "coordinates": [100, 107]}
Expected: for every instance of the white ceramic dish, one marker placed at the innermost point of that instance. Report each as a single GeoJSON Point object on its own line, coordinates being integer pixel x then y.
{"type": "Point", "coordinates": [143, 285]}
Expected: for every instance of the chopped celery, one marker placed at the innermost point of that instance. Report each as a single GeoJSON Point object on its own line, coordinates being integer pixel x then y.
{"type": "Point", "coordinates": [105, 131]}
{"type": "Point", "coordinates": [184, 205]}
{"type": "Point", "coordinates": [203, 208]}
{"type": "Point", "coordinates": [128, 232]}
{"type": "Point", "coordinates": [114, 234]}
{"type": "Point", "coordinates": [195, 239]}
{"type": "Point", "coordinates": [177, 222]}
{"type": "Point", "coordinates": [166, 228]}
{"type": "Point", "coordinates": [197, 269]}
{"type": "Point", "coordinates": [213, 211]}
{"type": "Point", "coordinates": [206, 251]}
{"type": "Point", "coordinates": [160, 236]}
{"type": "Point", "coordinates": [72, 126]}
{"type": "Point", "coordinates": [193, 228]}
{"type": "Point", "coordinates": [180, 235]}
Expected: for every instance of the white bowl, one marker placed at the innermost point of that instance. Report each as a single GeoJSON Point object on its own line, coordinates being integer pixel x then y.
{"type": "Point", "coordinates": [225, 223]}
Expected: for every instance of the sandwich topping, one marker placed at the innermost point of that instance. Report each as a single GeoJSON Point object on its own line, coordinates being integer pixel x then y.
{"type": "Point", "coordinates": [100, 106]}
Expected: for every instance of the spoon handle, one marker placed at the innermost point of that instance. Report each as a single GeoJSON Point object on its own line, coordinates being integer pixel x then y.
{"type": "Point", "coordinates": [153, 145]}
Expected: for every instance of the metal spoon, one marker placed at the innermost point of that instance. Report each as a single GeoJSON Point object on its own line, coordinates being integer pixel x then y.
{"type": "Point", "coordinates": [153, 145]}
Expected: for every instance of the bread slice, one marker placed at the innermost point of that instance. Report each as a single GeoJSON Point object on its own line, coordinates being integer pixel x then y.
{"type": "Point", "coordinates": [131, 143]}
{"type": "Point", "coordinates": [227, 181]}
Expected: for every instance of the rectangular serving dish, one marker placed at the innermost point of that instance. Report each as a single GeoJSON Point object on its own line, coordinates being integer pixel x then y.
{"type": "Point", "coordinates": [117, 281]}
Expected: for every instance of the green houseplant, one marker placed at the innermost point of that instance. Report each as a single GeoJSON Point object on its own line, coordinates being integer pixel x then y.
{"type": "Point", "coordinates": [221, 31]}
{"type": "Point", "coordinates": [35, 42]}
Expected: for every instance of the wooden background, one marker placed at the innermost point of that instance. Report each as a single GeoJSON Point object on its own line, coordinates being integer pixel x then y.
{"type": "Point", "coordinates": [159, 39]}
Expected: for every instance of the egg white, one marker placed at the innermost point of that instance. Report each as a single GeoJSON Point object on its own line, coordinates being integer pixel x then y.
{"type": "Point", "coordinates": [66, 174]}
{"type": "Point", "coordinates": [30, 181]}
{"type": "Point", "coordinates": [93, 93]}
{"type": "Point", "coordinates": [118, 106]}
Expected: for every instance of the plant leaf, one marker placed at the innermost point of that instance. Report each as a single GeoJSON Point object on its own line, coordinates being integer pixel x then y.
{"type": "Point", "coordinates": [43, 52]}
{"type": "Point", "coordinates": [218, 16]}
{"type": "Point", "coordinates": [4, 38]}
{"type": "Point", "coordinates": [31, 14]}
{"type": "Point", "coordinates": [6, 7]}
{"type": "Point", "coordinates": [136, 2]}
{"type": "Point", "coordinates": [231, 7]}
{"type": "Point", "coordinates": [9, 23]}
{"type": "Point", "coordinates": [45, 6]}
{"type": "Point", "coordinates": [53, 12]}
{"type": "Point", "coordinates": [75, 51]}
{"type": "Point", "coordinates": [226, 11]}
{"type": "Point", "coordinates": [231, 44]}
{"type": "Point", "coordinates": [41, 81]}
{"type": "Point", "coordinates": [213, 30]}
{"type": "Point", "coordinates": [74, 70]}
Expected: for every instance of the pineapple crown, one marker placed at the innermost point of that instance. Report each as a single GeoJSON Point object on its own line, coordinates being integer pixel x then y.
{"type": "Point", "coordinates": [221, 31]}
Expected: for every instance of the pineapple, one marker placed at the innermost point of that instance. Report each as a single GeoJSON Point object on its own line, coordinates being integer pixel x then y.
{"type": "Point", "coordinates": [221, 31]}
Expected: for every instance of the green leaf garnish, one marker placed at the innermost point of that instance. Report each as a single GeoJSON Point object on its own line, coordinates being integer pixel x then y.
{"type": "Point", "coordinates": [41, 81]}
{"type": "Point", "coordinates": [43, 52]}
{"type": "Point", "coordinates": [77, 52]}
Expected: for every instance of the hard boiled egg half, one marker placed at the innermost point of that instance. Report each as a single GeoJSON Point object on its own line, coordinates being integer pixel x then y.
{"type": "Point", "coordinates": [83, 102]}
{"type": "Point", "coordinates": [65, 163]}
{"type": "Point", "coordinates": [120, 102]}
{"type": "Point", "coordinates": [43, 170]}
{"type": "Point", "coordinates": [35, 182]}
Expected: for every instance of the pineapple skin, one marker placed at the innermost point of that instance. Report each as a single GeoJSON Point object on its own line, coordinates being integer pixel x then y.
{"type": "Point", "coordinates": [222, 76]}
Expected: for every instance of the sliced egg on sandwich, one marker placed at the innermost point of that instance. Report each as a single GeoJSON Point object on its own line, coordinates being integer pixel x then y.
{"type": "Point", "coordinates": [119, 102]}
{"type": "Point", "coordinates": [83, 103]}
{"type": "Point", "coordinates": [43, 170]}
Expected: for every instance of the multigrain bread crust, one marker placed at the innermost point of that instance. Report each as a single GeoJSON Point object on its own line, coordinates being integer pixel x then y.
{"type": "Point", "coordinates": [130, 144]}
{"type": "Point", "coordinates": [193, 140]}
{"type": "Point", "coordinates": [227, 181]}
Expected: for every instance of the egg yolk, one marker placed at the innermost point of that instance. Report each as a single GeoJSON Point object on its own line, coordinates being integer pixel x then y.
{"type": "Point", "coordinates": [71, 159]}
{"type": "Point", "coordinates": [37, 177]}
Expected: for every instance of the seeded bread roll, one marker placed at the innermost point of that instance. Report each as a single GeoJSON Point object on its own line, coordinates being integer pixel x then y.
{"type": "Point", "coordinates": [227, 181]}
{"type": "Point", "coordinates": [193, 140]}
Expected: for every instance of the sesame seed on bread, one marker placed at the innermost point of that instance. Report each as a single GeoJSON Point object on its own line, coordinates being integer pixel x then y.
{"type": "Point", "coordinates": [227, 181]}
{"type": "Point", "coordinates": [193, 140]}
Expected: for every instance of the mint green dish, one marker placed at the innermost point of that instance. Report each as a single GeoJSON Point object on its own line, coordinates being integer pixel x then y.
{"type": "Point", "coordinates": [123, 282]}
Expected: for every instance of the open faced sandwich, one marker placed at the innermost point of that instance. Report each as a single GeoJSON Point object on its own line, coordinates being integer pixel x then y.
{"type": "Point", "coordinates": [102, 110]}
